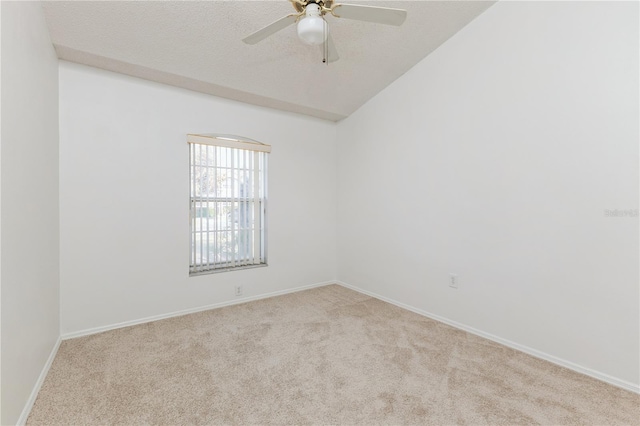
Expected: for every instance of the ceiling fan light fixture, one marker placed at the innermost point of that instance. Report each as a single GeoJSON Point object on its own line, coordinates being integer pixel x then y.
{"type": "Point", "coordinates": [312, 29]}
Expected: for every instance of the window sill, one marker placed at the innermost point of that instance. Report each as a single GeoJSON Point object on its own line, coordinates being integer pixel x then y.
{"type": "Point", "coordinates": [229, 269]}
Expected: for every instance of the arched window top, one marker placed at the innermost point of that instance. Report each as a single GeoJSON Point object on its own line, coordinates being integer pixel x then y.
{"type": "Point", "coordinates": [229, 141]}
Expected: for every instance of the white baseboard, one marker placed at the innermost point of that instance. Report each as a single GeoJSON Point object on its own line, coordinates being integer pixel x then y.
{"type": "Point", "coordinates": [36, 388]}
{"type": "Point", "coordinates": [533, 352]}
{"type": "Point", "coordinates": [237, 301]}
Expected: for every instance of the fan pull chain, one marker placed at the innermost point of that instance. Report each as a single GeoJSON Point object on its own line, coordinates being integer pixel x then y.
{"type": "Point", "coordinates": [325, 45]}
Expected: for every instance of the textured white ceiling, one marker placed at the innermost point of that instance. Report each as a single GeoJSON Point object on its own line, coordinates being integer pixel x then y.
{"type": "Point", "coordinates": [198, 46]}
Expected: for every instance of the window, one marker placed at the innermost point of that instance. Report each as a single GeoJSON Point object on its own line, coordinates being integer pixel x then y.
{"type": "Point", "coordinates": [228, 203]}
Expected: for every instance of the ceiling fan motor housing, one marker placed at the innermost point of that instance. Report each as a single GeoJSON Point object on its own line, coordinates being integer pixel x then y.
{"type": "Point", "coordinates": [301, 5]}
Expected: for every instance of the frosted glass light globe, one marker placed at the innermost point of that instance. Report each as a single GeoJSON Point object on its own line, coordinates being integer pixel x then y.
{"type": "Point", "coordinates": [312, 29]}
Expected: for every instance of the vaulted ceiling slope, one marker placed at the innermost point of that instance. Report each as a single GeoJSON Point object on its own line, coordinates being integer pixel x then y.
{"type": "Point", "coordinates": [198, 46]}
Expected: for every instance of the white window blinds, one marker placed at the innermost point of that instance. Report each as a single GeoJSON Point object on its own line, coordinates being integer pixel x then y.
{"type": "Point", "coordinates": [228, 203]}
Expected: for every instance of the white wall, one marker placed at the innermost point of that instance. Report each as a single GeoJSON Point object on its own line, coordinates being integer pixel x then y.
{"type": "Point", "coordinates": [495, 158]}
{"type": "Point", "coordinates": [29, 214]}
{"type": "Point", "coordinates": [124, 211]}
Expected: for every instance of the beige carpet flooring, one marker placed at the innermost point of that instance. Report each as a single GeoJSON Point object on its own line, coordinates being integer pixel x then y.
{"type": "Point", "coordinates": [323, 356]}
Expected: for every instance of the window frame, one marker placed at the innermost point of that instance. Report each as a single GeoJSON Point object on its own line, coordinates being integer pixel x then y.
{"type": "Point", "coordinates": [255, 170]}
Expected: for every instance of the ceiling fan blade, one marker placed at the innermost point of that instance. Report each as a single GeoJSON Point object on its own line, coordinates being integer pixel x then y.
{"type": "Point", "coordinates": [272, 28]}
{"type": "Point", "coordinates": [380, 15]}
{"type": "Point", "coordinates": [332, 52]}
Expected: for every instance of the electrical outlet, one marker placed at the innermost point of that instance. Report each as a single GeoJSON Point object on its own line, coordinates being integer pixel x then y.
{"type": "Point", "coordinates": [453, 280]}
{"type": "Point", "coordinates": [238, 289]}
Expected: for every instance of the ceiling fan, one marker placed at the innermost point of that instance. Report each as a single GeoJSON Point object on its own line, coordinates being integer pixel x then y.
{"type": "Point", "coordinates": [313, 29]}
